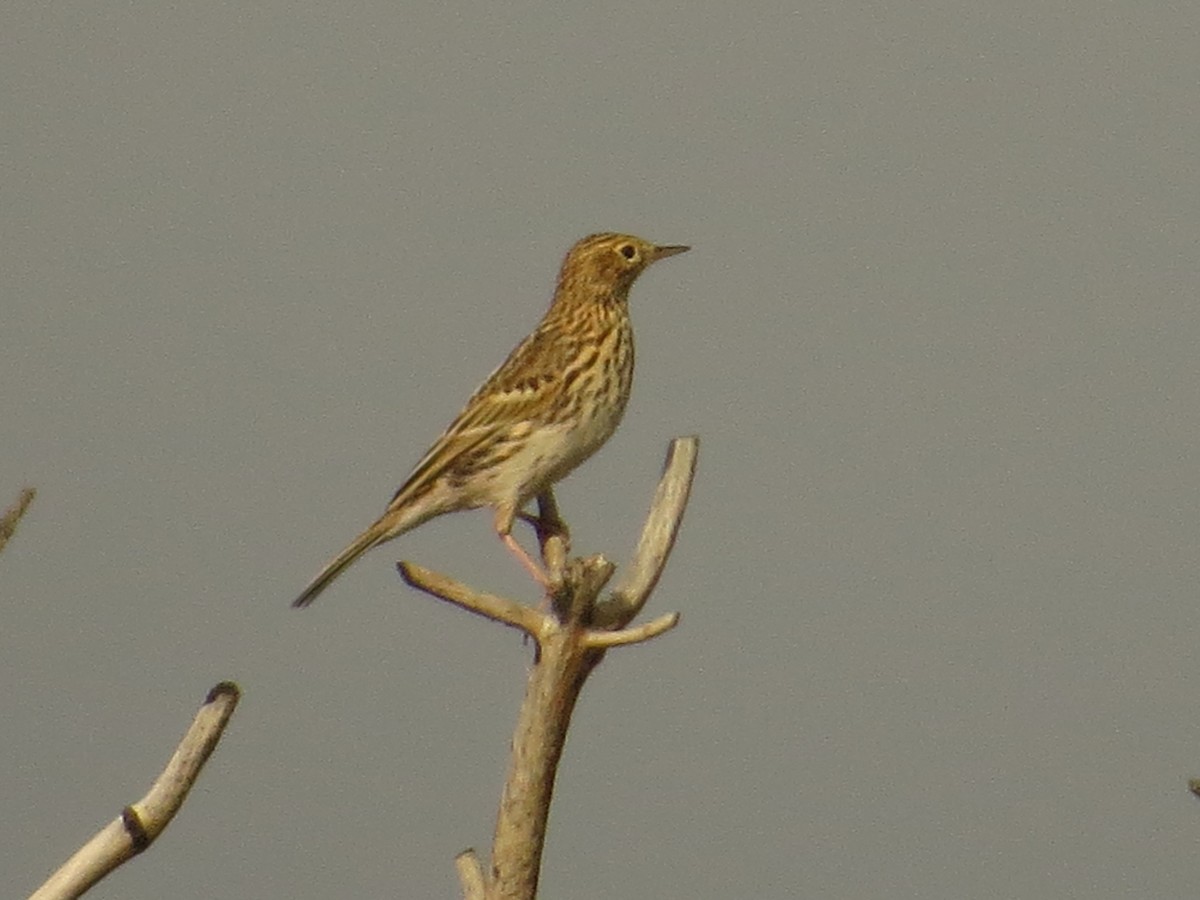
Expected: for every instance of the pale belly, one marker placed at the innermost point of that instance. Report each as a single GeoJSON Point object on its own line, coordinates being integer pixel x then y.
{"type": "Point", "coordinates": [550, 453]}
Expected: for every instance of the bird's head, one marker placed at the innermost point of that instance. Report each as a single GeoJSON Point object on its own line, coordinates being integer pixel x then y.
{"type": "Point", "coordinates": [609, 263]}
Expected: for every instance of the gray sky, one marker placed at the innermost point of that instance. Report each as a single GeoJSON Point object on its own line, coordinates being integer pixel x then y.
{"type": "Point", "coordinates": [938, 334]}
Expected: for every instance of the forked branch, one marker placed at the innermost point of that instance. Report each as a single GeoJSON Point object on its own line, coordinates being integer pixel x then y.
{"type": "Point", "coordinates": [572, 639]}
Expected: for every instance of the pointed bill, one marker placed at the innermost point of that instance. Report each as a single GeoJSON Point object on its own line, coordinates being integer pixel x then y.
{"type": "Point", "coordinates": [666, 250]}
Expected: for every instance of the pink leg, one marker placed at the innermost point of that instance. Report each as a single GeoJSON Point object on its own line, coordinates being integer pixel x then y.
{"type": "Point", "coordinates": [531, 566]}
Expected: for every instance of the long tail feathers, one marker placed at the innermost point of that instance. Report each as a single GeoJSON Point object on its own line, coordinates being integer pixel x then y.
{"type": "Point", "coordinates": [364, 542]}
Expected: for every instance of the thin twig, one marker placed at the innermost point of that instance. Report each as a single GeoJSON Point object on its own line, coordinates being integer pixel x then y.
{"type": "Point", "coordinates": [498, 609]}
{"type": "Point", "coordinates": [12, 515]}
{"type": "Point", "coordinates": [470, 875]}
{"type": "Point", "coordinates": [142, 822]}
{"type": "Point", "coordinates": [657, 539]}
{"type": "Point", "coordinates": [627, 636]}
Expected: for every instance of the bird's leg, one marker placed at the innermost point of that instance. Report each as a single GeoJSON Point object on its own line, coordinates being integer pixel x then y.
{"type": "Point", "coordinates": [531, 566]}
{"type": "Point", "coordinates": [552, 534]}
{"type": "Point", "coordinates": [533, 521]}
{"type": "Point", "coordinates": [504, 524]}
{"type": "Point", "coordinates": [548, 523]}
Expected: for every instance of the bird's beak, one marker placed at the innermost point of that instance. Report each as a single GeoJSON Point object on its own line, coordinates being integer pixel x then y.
{"type": "Point", "coordinates": [669, 250]}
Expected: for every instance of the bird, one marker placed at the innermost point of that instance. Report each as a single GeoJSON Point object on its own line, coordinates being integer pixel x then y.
{"type": "Point", "coordinates": [555, 400]}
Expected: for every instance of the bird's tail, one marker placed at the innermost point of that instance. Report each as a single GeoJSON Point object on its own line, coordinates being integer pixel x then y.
{"type": "Point", "coordinates": [376, 534]}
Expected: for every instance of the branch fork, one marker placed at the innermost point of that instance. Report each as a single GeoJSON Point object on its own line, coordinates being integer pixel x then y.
{"type": "Point", "coordinates": [572, 637]}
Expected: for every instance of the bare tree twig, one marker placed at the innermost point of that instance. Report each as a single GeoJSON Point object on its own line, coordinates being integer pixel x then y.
{"type": "Point", "coordinates": [658, 536]}
{"type": "Point", "coordinates": [626, 636]}
{"type": "Point", "coordinates": [12, 515]}
{"type": "Point", "coordinates": [498, 609]}
{"type": "Point", "coordinates": [470, 875]}
{"type": "Point", "coordinates": [143, 821]}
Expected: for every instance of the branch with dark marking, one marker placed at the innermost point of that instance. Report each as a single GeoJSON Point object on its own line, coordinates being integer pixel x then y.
{"type": "Point", "coordinates": [140, 823]}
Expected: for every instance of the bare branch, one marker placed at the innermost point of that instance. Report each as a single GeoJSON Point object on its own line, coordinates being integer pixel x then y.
{"type": "Point", "coordinates": [145, 820]}
{"type": "Point", "coordinates": [658, 536]}
{"type": "Point", "coordinates": [571, 643]}
{"type": "Point", "coordinates": [583, 580]}
{"type": "Point", "coordinates": [626, 636]}
{"type": "Point", "coordinates": [554, 683]}
{"type": "Point", "coordinates": [491, 606]}
{"type": "Point", "coordinates": [470, 875]}
{"type": "Point", "coordinates": [12, 515]}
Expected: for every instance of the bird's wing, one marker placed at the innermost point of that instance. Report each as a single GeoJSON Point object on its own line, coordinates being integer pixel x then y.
{"type": "Point", "coordinates": [449, 453]}
{"type": "Point", "coordinates": [502, 410]}
{"type": "Point", "coordinates": [530, 372]}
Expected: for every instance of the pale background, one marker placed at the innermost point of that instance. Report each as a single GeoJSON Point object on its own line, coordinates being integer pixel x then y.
{"type": "Point", "coordinates": [938, 334]}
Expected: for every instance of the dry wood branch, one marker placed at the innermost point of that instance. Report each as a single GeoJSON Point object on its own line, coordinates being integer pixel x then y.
{"type": "Point", "coordinates": [470, 875]}
{"type": "Point", "coordinates": [12, 515]}
{"type": "Point", "coordinates": [571, 643]}
{"type": "Point", "coordinates": [498, 609]}
{"type": "Point", "coordinates": [624, 637]}
{"type": "Point", "coordinates": [583, 580]}
{"type": "Point", "coordinates": [550, 695]}
{"type": "Point", "coordinates": [142, 822]}
{"type": "Point", "coordinates": [657, 539]}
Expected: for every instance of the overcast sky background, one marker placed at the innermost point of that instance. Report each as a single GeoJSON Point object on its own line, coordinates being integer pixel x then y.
{"type": "Point", "coordinates": [938, 334]}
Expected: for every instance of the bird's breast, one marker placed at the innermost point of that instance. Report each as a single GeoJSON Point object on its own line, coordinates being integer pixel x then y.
{"type": "Point", "coordinates": [595, 387]}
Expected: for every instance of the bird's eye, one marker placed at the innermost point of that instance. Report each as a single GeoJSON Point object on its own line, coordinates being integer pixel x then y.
{"type": "Point", "coordinates": [628, 251]}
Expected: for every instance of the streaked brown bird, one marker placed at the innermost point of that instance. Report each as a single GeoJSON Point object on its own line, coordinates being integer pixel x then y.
{"type": "Point", "coordinates": [556, 399]}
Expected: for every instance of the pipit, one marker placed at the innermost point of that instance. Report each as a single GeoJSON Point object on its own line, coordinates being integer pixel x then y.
{"type": "Point", "coordinates": [552, 404]}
